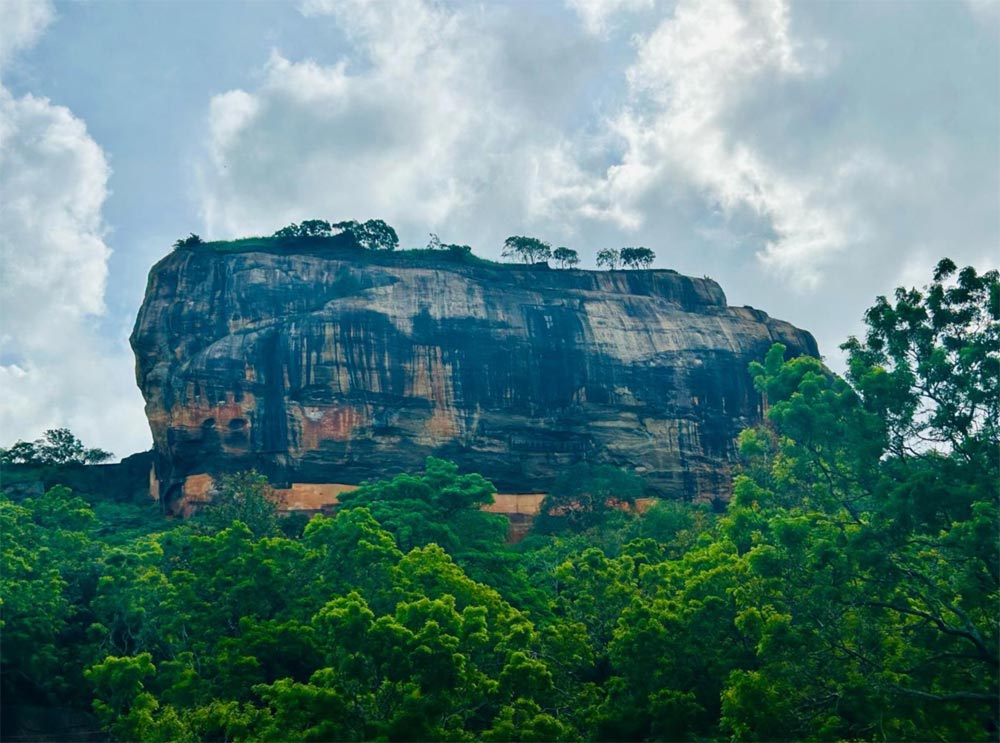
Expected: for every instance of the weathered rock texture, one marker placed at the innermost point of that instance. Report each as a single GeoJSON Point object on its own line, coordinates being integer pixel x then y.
{"type": "Point", "coordinates": [334, 365]}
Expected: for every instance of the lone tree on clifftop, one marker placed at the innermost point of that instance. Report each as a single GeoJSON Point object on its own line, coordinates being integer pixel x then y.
{"type": "Point", "coordinates": [637, 257]}
{"type": "Point", "coordinates": [609, 258]}
{"type": "Point", "coordinates": [527, 249]}
{"type": "Point", "coordinates": [565, 257]}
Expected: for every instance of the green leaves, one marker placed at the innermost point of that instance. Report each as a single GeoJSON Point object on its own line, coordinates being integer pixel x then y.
{"type": "Point", "coordinates": [527, 249]}
{"type": "Point", "coordinates": [245, 497]}
{"type": "Point", "coordinates": [930, 364]}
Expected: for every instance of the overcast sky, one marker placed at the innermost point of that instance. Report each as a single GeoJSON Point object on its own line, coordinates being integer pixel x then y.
{"type": "Point", "coordinates": [808, 156]}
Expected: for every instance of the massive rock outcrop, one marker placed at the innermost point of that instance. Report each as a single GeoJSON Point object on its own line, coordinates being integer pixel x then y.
{"type": "Point", "coordinates": [329, 364]}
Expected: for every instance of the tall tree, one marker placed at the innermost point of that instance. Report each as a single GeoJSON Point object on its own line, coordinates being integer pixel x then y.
{"type": "Point", "coordinates": [566, 257]}
{"type": "Point", "coordinates": [930, 365]}
{"type": "Point", "coordinates": [376, 235]}
{"type": "Point", "coordinates": [636, 257]}
{"type": "Point", "coordinates": [526, 249]}
{"type": "Point", "coordinates": [247, 497]}
{"type": "Point", "coordinates": [609, 258]}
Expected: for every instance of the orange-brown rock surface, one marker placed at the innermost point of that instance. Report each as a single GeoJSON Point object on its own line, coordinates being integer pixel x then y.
{"type": "Point", "coordinates": [329, 364]}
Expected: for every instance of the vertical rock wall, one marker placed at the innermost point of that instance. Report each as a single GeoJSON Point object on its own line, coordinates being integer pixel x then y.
{"type": "Point", "coordinates": [336, 365]}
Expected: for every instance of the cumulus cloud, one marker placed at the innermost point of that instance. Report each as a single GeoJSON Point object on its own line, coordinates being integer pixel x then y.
{"type": "Point", "coordinates": [54, 184]}
{"type": "Point", "coordinates": [22, 22]}
{"type": "Point", "coordinates": [834, 145]}
{"type": "Point", "coordinates": [437, 120]}
{"type": "Point", "coordinates": [688, 77]}
{"type": "Point", "coordinates": [55, 369]}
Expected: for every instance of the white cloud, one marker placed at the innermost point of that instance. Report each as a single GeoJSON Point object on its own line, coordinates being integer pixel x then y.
{"type": "Point", "coordinates": [437, 120]}
{"type": "Point", "coordinates": [597, 15]}
{"type": "Point", "coordinates": [55, 369]}
{"type": "Point", "coordinates": [22, 22]}
{"type": "Point", "coordinates": [54, 184]}
{"type": "Point", "coordinates": [688, 76]}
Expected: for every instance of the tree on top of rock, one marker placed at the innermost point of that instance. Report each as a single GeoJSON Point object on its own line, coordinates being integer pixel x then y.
{"type": "Point", "coordinates": [371, 235]}
{"type": "Point", "coordinates": [315, 228]}
{"type": "Point", "coordinates": [309, 228]}
{"type": "Point", "coordinates": [526, 249]}
{"type": "Point", "coordinates": [377, 235]}
{"type": "Point", "coordinates": [189, 241]}
{"type": "Point", "coordinates": [565, 257]}
{"type": "Point", "coordinates": [609, 258]}
{"type": "Point", "coordinates": [637, 257]}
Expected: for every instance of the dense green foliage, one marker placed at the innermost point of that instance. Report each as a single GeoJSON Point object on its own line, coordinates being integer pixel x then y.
{"type": "Point", "coordinates": [636, 257]}
{"type": "Point", "coordinates": [585, 496]}
{"type": "Point", "coordinates": [850, 591]}
{"type": "Point", "coordinates": [371, 235]}
{"type": "Point", "coordinates": [191, 241]}
{"type": "Point", "coordinates": [630, 257]}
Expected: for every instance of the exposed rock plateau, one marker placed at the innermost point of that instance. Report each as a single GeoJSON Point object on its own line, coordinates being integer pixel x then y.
{"type": "Point", "coordinates": [329, 364]}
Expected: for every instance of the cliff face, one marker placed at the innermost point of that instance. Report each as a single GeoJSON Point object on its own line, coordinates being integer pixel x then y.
{"type": "Point", "coordinates": [338, 365]}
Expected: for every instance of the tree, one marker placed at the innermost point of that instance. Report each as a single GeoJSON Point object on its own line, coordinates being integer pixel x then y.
{"type": "Point", "coordinates": [189, 241]}
{"type": "Point", "coordinates": [308, 228]}
{"type": "Point", "coordinates": [438, 505]}
{"type": "Point", "coordinates": [21, 452]}
{"type": "Point", "coordinates": [315, 228]}
{"type": "Point", "coordinates": [247, 497]}
{"type": "Point", "coordinates": [584, 496]}
{"type": "Point", "coordinates": [371, 235]}
{"type": "Point", "coordinates": [58, 447]}
{"type": "Point", "coordinates": [609, 258]}
{"type": "Point", "coordinates": [527, 249]}
{"type": "Point", "coordinates": [637, 257]}
{"type": "Point", "coordinates": [565, 257]}
{"type": "Point", "coordinates": [930, 365]}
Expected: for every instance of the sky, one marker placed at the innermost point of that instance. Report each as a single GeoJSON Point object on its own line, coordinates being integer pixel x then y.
{"type": "Point", "coordinates": [808, 156]}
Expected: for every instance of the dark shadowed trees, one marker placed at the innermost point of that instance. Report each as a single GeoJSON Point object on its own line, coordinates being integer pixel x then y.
{"type": "Point", "coordinates": [565, 257]}
{"type": "Point", "coordinates": [636, 257]}
{"type": "Point", "coordinates": [526, 249]}
{"type": "Point", "coordinates": [58, 446]}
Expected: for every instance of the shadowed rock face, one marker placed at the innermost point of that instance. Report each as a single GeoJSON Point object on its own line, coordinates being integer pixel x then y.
{"type": "Point", "coordinates": [338, 365]}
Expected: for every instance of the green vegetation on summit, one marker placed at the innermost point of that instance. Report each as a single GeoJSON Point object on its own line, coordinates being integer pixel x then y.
{"type": "Point", "coordinates": [375, 234]}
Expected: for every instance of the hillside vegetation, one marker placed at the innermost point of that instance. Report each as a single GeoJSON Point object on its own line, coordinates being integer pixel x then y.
{"type": "Point", "coordinates": [849, 591]}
